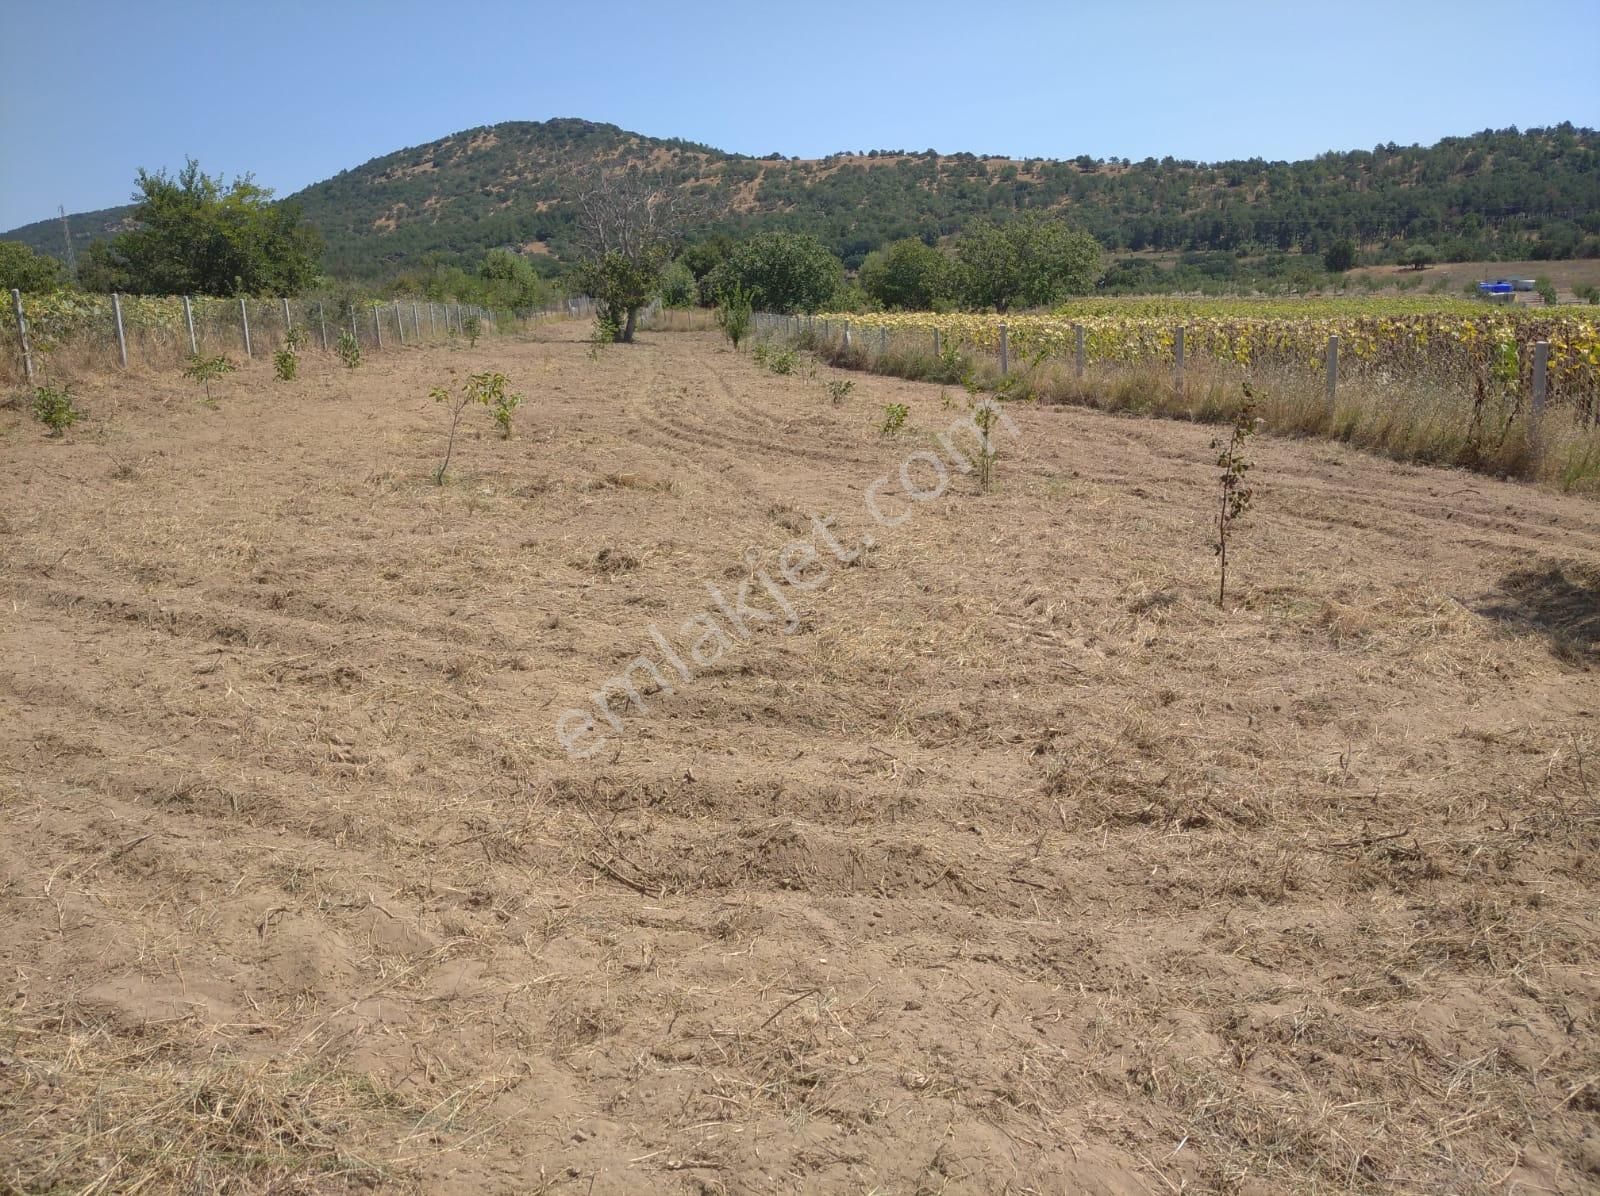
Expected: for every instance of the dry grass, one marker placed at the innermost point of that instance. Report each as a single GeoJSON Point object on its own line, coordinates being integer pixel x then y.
{"type": "Point", "coordinates": [1433, 421]}
{"type": "Point", "coordinates": [1018, 863]}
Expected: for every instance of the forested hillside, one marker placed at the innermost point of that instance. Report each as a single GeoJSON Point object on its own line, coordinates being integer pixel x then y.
{"type": "Point", "coordinates": [1510, 194]}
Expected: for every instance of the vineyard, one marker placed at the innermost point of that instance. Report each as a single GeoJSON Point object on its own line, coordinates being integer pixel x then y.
{"type": "Point", "coordinates": [1441, 381]}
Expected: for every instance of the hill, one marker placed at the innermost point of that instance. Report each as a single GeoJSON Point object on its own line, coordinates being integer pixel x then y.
{"type": "Point", "coordinates": [1522, 194]}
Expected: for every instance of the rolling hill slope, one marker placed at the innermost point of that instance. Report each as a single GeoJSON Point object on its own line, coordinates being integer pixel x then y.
{"type": "Point", "coordinates": [1533, 193]}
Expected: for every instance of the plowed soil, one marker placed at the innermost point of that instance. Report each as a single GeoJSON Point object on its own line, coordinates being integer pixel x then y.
{"type": "Point", "coordinates": [1009, 863]}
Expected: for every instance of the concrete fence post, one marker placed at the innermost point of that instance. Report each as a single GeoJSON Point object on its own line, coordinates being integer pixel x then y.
{"type": "Point", "coordinates": [377, 324]}
{"type": "Point", "coordinates": [188, 318]}
{"type": "Point", "coordinates": [122, 340]}
{"type": "Point", "coordinates": [883, 339]}
{"type": "Point", "coordinates": [938, 348]}
{"type": "Point", "coordinates": [355, 332]}
{"type": "Point", "coordinates": [244, 323]}
{"type": "Point", "coordinates": [1177, 360]}
{"type": "Point", "coordinates": [288, 320]}
{"type": "Point", "coordinates": [433, 320]}
{"type": "Point", "coordinates": [1333, 371]}
{"type": "Point", "coordinates": [1005, 351]}
{"type": "Point", "coordinates": [399, 324]}
{"type": "Point", "coordinates": [322, 323]}
{"type": "Point", "coordinates": [1541, 384]}
{"type": "Point", "coordinates": [1078, 355]}
{"type": "Point", "coordinates": [416, 323]}
{"type": "Point", "coordinates": [847, 334]}
{"type": "Point", "coordinates": [22, 334]}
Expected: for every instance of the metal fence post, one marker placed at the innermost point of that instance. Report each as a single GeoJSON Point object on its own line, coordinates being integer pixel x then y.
{"type": "Point", "coordinates": [1177, 361]}
{"type": "Point", "coordinates": [1078, 354]}
{"type": "Point", "coordinates": [188, 318]}
{"type": "Point", "coordinates": [122, 341]}
{"type": "Point", "coordinates": [22, 334]}
{"type": "Point", "coordinates": [1333, 371]}
{"type": "Point", "coordinates": [244, 322]}
{"type": "Point", "coordinates": [1005, 351]}
{"type": "Point", "coordinates": [1541, 382]}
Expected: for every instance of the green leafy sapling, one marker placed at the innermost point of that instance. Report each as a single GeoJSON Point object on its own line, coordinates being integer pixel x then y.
{"type": "Point", "coordinates": [486, 388]}
{"type": "Point", "coordinates": [1236, 494]}
{"type": "Point", "coordinates": [204, 369]}
{"type": "Point", "coordinates": [349, 349]}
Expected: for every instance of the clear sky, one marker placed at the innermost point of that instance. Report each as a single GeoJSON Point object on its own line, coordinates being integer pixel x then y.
{"type": "Point", "coordinates": [295, 92]}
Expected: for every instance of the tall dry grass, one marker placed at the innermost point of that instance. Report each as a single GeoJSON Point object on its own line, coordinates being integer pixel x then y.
{"type": "Point", "coordinates": [1433, 419]}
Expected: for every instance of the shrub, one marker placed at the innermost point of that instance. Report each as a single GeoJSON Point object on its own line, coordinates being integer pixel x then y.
{"type": "Point", "coordinates": [734, 314]}
{"type": "Point", "coordinates": [285, 362]}
{"type": "Point", "coordinates": [349, 350]}
{"type": "Point", "coordinates": [473, 327]}
{"type": "Point", "coordinates": [52, 407]}
{"type": "Point", "coordinates": [839, 389]}
{"type": "Point", "coordinates": [894, 418]}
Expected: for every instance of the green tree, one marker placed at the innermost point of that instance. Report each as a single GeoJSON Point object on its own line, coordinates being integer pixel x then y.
{"type": "Point", "coordinates": [508, 280]}
{"type": "Point", "coordinates": [627, 225]}
{"type": "Point", "coordinates": [1417, 256]}
{"type": "Point", "coordinates": [781, 272]}
{"type": "Point", "coordinates": [907, 276]}
{"type": "Point", "coordinates": [24, 270]}
{"type": "Point", "coordinates": [1339, 257]}
{"type": "Point", "coordinates": [194, 235]}
{"type": "Point", "coordinates": [1028, 262]}
{"type": "Point", "coordinates": [678, 287]}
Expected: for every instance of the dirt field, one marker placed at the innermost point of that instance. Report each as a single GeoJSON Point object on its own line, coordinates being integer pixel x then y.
{"type": "Point", "coordinates": [1018, 866]}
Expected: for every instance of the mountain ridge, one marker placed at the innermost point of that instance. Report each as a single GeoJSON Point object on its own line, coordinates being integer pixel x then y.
{"type": "Point", "coordinates": [1516, 193]}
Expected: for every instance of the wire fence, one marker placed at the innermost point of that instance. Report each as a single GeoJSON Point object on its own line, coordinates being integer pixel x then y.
{"type": "Point", "coordinates": [58, 335]}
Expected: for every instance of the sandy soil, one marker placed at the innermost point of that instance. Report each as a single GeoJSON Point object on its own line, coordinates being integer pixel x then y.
{"type": "Point", "coordinates": [1018, 866]}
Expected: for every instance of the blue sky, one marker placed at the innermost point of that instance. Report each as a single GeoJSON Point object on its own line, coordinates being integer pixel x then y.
{"type": "Point", "coordinates": [297, 91]}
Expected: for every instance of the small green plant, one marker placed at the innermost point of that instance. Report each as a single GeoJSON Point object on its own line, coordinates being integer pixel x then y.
{"type": "Point", "coordinates": [839, 389]}
{"type": "Point", "coordinates": [472, 326]}
{"type": "Point", "coordinates": [894, 418]}
{"type": "Point", "coordinates": [606, 331]}
{"type": "Point", "coordinates": [1236, 494]}
{"type": "Point", "coordinates": [349, 350]}
{"type": "Point", "coordinates": [759, 352]}
{"type": "Point", "coordinates": [782, 362]}
{"type": "Point", "coordinates": [486, 388]}
{"type": "Point", "coordinates": [52, 407]}
{"type": "Point", "coordinates": [986, 415]}
{"type": "Point", "coordinates": [734, 315]}
{"type": "Point", "coordinates": [502, 406]}
{"type": "Point", "coordinates": [285, 362]}
{"type": "Point", "coordinates": [204, 369]}
{"type": "Point", "coordinates": [1547, 291]}
{"type": "Point", "coordinates": [295, 338]}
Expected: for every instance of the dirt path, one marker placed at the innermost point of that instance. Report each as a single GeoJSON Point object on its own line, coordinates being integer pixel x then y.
{"type": "Point", "coordinates": [1017, 866]}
